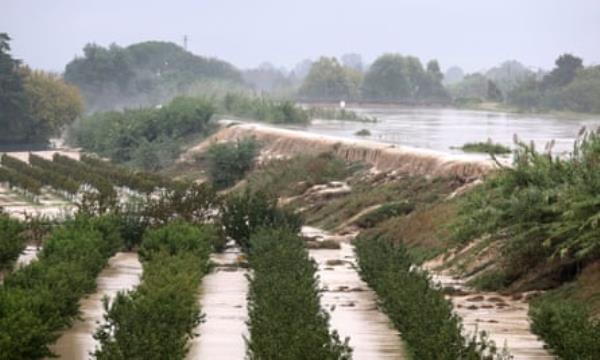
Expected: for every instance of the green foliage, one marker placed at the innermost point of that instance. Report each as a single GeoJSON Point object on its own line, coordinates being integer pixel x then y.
{"type": "Point", "coordinates": [486, 147]}
{"type": "Point", "coordinates": [569, 87]}
{"type": "Point", "coordinates": [147, 137]}
{"type": "Point", "coordinates": [290, 177]}
{"type": "Point", "coordinates": [143, 74]}
{"type": "Point", "coordinates": [363, 132]}
{"type": "Point", "coordinates": [397, 78]}
{"type": "Point", "coordinates": [328, 80]}
{"type": "Point", "coordinates": [567, 327]}
{"type": "Point", "coordinates": [43, 298]}
{"type": "Point", "coordinates": [475, 87]}
{"type": "Point", "coordinates": [285, 316]}
{"type": "Point", "coordinates": [34, 105]}
{"type": "Point", "coordinates": [21, 181]}
{"type": "Point", "coordinates": [544, 207]}
{"type": "Point", "coordinates": [156, 320]}
{"type": "Point", "coordinates": [12, 241]}
{"type": "Point", "coordinates": [421, 313]}
{"type": "Point", "coordinates": [230, 161]}
{"type": "Point", "coordinates": [264, 109]}
{"type": "Point", "coordinates": [243, 214]}
{"type": "Point", "coordinates": [384, 212]}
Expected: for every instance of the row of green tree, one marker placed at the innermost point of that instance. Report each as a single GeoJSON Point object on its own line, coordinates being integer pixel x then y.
{"type": "Point", "coordinates": [420, 312]}
{"type": "Point", "coordinates": [34, 105]}
{"type": "Point", "coordinates": [286, 319]}
{"type": "Point", "coordinates": [159, 317]}
{"type": "Point", "coordinates": [42, 298]}
{"type": "Point", "coordinates": [391, 78]}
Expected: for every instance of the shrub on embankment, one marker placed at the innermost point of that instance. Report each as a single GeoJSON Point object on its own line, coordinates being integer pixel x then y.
{"type": "Point", "coordinates": [567, 327]}
{"type": "Point", "coordinates": [158, 318]}
{"type": "Point", "coordinates": [420, 312]}
{"type": "Point", "coordinates": [545, 211]}
{"type": "Point", "coordinates": [286, 320]}
{"type": "Point", "coordinates": [245, 213]}
{"type": "Point", "coordinates": [42, 298]}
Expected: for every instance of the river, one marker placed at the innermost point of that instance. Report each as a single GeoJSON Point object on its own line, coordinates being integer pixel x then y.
{"type": "Point", "coordinates": [444, 129]}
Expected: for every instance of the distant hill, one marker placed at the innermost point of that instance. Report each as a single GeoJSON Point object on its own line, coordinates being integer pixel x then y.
{"type": "Point", "coordinates": [143, 74]}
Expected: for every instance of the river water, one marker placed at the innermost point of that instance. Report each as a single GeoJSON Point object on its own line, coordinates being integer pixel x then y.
{"type": "Point", "coordinates": [122, 273]}
{"type": "Point", "coordinates": [443, 129]}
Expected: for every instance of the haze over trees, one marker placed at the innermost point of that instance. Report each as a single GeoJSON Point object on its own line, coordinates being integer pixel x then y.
{"type": "Point", "coordinates": [146, 73]}
{"type": "Point", "coordinates": [34, 105]}
{"type": "Point", "coordinates": [328, 80]}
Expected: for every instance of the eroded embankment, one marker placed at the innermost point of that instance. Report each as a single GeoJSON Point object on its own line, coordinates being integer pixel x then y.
{"type": "Point", "coordinates": [122, 273]}
{"type": "Point", "coordinates": [383, 157]}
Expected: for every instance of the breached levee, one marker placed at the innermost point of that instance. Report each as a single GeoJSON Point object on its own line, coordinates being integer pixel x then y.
{"type": "Point", "coordinates": [278, 142]}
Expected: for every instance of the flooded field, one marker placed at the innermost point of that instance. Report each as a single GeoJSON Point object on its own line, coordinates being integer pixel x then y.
{"type": "Point", "coordinates": [504, 318]}
{"type": "Point", "coordinates": [352, 304]}
{"type": "Point", "coordinates": [443, 129]}
{"type": "Point", "coordinates": [122, 273]}
{"type": "Point", "coordinates": [223, 301]}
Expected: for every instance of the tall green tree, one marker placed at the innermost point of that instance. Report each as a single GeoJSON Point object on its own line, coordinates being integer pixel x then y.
{"type": "Point", "coordinates": [566, 68]}
{"type": "Point", "coordinates": [330, 81]}
{"type": "Point", "coordinates": [13, 100]}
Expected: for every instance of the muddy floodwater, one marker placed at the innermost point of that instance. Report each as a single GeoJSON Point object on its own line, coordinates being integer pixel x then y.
{"type": "Point", "coordinates": [223, 301]}
{"type": "Point", "coordinates": [122, 273]}
{"type": "Point", "coordinates": [352, 305]}
{"type": "Point", "coordinates": [443, 129]}
{"type": "Point", "coordinates": [504, 318]}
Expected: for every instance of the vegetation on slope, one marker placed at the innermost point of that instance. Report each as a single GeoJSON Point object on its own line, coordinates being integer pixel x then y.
{"type": "Point", "coordinates": [12, 241]}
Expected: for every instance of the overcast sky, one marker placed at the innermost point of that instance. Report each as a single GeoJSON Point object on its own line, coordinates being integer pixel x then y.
{"type": "Point", "coordinates": [473, 34]}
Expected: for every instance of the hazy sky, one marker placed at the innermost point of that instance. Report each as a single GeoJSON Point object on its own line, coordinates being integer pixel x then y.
{"type": "Point", "coordinates": [473, 34]}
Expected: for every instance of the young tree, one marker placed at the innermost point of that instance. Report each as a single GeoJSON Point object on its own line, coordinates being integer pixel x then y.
{"type": "Point", "coordinates": [328, 80]}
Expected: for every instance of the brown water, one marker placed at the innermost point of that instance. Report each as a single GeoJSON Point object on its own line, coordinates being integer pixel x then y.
{"type": "Point", "coordinates": [352, 304]}
{"type": "Point", "coordinates": [443, 129]}
{"type": "Point", "coordinates": [223, 301]}
{"type": "Point", "coordinates": [122, 273]}
{"type": "Point", "coordinates": [504, 318]}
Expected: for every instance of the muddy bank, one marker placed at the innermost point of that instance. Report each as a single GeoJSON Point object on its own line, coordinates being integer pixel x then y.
{"type": "Point", "coordinates": [223, 301]}
{"type": "Point", "coordinates": [384, 157]}
{"type": "Point", "coordinates": [352, 304]}
{"type": "Point", "coordinates": [122, 273]}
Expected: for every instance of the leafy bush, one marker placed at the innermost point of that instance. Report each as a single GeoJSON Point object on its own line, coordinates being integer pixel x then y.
{"type": "Point", "coordinates": [148, 137]}
{"type": "Point", "coordinates": [285, 316]}
{"type": "Point", "coordinates": [230, 161]}
{"type": "Point", "coordinates": [289, 177]}
{"type": "Point", "coordinates": [39, 300]}
{"type": "Point", "coordinates": [243, 214]}
{"type": "Point", "coordinates": [568, 328]}
{"type": "Point", "coordinates": [12, 242]}
{"type": "Point", "coordinates": [264, 109]}
{"type": "Point", "coordinates": [421, 313]}
{"type": "Point", "coordinates": [156, 320]}
{"type": "Point", "coordinates": [486, 147]}
{"type": "Point", "coordinates": [385, 211]}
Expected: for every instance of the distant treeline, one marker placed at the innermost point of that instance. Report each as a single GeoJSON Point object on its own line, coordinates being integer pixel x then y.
{"type": "Point", "coordinates": [143, 74]}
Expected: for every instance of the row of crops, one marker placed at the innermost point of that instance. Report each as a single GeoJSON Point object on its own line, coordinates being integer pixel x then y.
{"type": "Point", "coordinates": [70, 177]}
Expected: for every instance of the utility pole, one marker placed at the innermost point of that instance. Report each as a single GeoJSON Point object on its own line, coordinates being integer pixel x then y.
{"type": "Point", "coordinates": [185, 41]}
